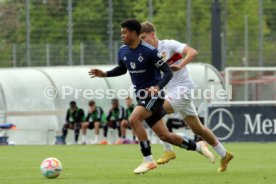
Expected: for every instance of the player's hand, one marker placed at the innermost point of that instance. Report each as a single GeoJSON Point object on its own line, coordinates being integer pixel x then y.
{"type": "Point", "coordinates": [175, 67]}
{"type": "Point", "coordinates": [153, 90]}
{"type": "Point", "coordinates": [94, 72]}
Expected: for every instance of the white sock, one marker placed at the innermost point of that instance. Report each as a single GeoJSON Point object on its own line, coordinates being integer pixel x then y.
{"type": "Point", "coordinates": [112, 136]}
{"type": "Point", "coordinates": [148, 158]}
{"type": "Point", "coordinates": [219, 148]}
{"type": "Point", "coordinates": [167, 146]}
{"type": "Point", "coordinates": [96, 138]}
{"type": "Point", "coordinates": [84, 137]}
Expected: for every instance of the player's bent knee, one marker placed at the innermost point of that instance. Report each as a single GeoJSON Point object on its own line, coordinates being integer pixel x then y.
{"type": "Point", "coordinates": [124, 124]}
{"type": "Point", "coordinates": [133, 121]}
{"type": "Point", "coordinates": [97, 124]}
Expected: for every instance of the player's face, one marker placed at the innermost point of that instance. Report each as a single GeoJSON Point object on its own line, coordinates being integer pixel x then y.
{"type": "Point", "coordinates": [92, 108]}
{"type": "Point", "coordinates": [127, 36]}
{"type": "Point", "coordinates": [115, 105]}
{"type": "Point", "coordinates": [147, 37]}
{"type": "Point", "coordinates": [128, 102]}
{"type": "Point", "coordinates": [73, 108]}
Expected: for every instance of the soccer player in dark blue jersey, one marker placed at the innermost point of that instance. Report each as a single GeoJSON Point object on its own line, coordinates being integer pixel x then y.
{"type": "Point", "coordinates": [145, 64]}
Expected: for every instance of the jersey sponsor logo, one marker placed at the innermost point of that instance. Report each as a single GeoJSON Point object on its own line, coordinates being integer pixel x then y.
{"type": "Point", "coordinates": [132, 65]}
{"type": "Point", "coordinates": [143, 102]}
{"type": "Point", "coordinates": [125, 58]}
{"type": "Point", "coordinates": [137, 71]}
{"type": "Point", "coordinates": [140, 58]}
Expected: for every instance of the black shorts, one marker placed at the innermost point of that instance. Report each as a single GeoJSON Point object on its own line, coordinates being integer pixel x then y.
{"type": "Point", "coordinates": [155, 105]}
{"type": "Point", "coordinates": [91, 125]}
{"type": "Point", "coordinates": [74, 125]}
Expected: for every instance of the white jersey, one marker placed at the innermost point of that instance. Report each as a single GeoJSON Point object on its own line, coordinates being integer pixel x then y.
{"type": "Point", "coordinates": [172, 50]}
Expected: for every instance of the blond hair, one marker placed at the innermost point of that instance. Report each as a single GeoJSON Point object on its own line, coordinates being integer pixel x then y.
{"type": "Point", "coordinates": [147, 27]}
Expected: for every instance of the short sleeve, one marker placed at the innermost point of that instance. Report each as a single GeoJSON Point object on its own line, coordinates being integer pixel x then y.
{"type": "Point", "coordinates": [175, 46]}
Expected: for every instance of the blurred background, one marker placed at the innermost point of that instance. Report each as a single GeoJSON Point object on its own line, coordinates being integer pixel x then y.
{"type": "Point", "coordinates": [85, 32]}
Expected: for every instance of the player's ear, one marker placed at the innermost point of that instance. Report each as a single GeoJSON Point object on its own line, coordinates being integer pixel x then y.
{"type": "Point", "coordinates": [152, 34]}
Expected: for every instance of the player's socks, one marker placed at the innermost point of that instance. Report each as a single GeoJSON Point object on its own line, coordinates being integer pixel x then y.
{"type": "Point", "coordinates": [148, 158]}
{"type": "Point", "coordinates": [167, 146]}
{"type": "Point", "coordinates": [64, 132]}
{"type": "Point", "coordinates": [112, 136]}
{"type": "Point", "coordinates": [84, 138]}
{"type": "Point", "coordinates": [145, 148]}
{"type": "Point", "coordinates": [77, 132]}
{"type": "Point", "coordinates": [96, 139]}
{"type": "Point", "coordinates": [188, 144]}
{"type": "Point", "coordinates": [219, 148]}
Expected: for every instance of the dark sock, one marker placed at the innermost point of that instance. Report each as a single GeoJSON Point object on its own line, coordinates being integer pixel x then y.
{"type": "Point", "coordinates": [123, 136]}
{"type": "Point", "coordinates": [188, 144]}
{"type": "Point", "coordinates": [119, 132]}
{"type": "Point", "coordinates": [197, 138]}
{"type": "Point", "coordinates": [64, 132]}
{"type": "Point", "coordinates": [77, 132]}
{"type": "Point", "coordinates": [105, 131]}
{"type": "Point", "coordinates": [134, 138]}
{"type": "Point", "coordinates": [145, 148]}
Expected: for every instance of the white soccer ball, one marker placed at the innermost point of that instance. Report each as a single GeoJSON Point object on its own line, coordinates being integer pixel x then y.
{"type": "Point", "coordinates": [51, 167]}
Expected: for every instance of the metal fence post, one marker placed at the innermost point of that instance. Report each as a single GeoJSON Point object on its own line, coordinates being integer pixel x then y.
{"type": "Point", "coordinates": [150, 15]}
{"type": "Point", "coordinates": [110, 30]}
{"type": "Point", "coordinates": [81, 54]}
{"type": "Point", "coordinates": [70, 33]}
{"type": "Point", "coordinates": [260, 45]}
{"type": "Point", "coordinates": [28, 32]}
{"type": "Point", "coordinates": [224, 36]}
{"type": "Point", "coordinates": [116, 46]}
{"type": "Point", "coordinates": [246, 56]}
{"type": "Point", "coordinates": [188, 22]}
{"type": "Point", "coordinates": [14, 55]}
{"type": "Point", "coordinates": [47, 54]}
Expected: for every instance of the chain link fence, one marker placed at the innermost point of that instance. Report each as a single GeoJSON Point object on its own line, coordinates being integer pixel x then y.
{"type": "Point", "coordinates": [71, 32]}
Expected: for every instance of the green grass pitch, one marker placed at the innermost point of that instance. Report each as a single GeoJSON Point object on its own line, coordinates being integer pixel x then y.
{"type": "Point", "coordinates": [114, 164]}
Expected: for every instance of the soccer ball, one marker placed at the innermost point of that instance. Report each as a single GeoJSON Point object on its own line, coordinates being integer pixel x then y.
{"type": "Point", "coordinates": [51, 167]}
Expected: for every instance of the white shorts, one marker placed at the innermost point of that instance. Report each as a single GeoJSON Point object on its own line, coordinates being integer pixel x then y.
{"type": "Point", "coordinates": [182, 103]}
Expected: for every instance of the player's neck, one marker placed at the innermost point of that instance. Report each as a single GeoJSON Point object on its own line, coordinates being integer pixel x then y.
{"type": "Point", "coordinates": [135, 44]}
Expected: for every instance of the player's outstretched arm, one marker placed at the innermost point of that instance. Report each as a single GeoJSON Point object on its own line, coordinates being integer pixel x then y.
{"type": "Point", "coordinates": [117, 71]}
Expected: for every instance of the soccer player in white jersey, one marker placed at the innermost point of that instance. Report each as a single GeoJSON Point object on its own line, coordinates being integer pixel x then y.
{"type": "Point", "coordinates": [180, 101]}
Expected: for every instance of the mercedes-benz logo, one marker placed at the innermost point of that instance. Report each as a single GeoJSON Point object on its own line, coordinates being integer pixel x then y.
{"type": "Point", "coordinates": [221, 122]}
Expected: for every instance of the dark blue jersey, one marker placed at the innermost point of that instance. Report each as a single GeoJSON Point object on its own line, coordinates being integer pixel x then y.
{"type": "Point", "coordinates": [141, 64]}
{"type": "Point", "coordinates": [144, 64]}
